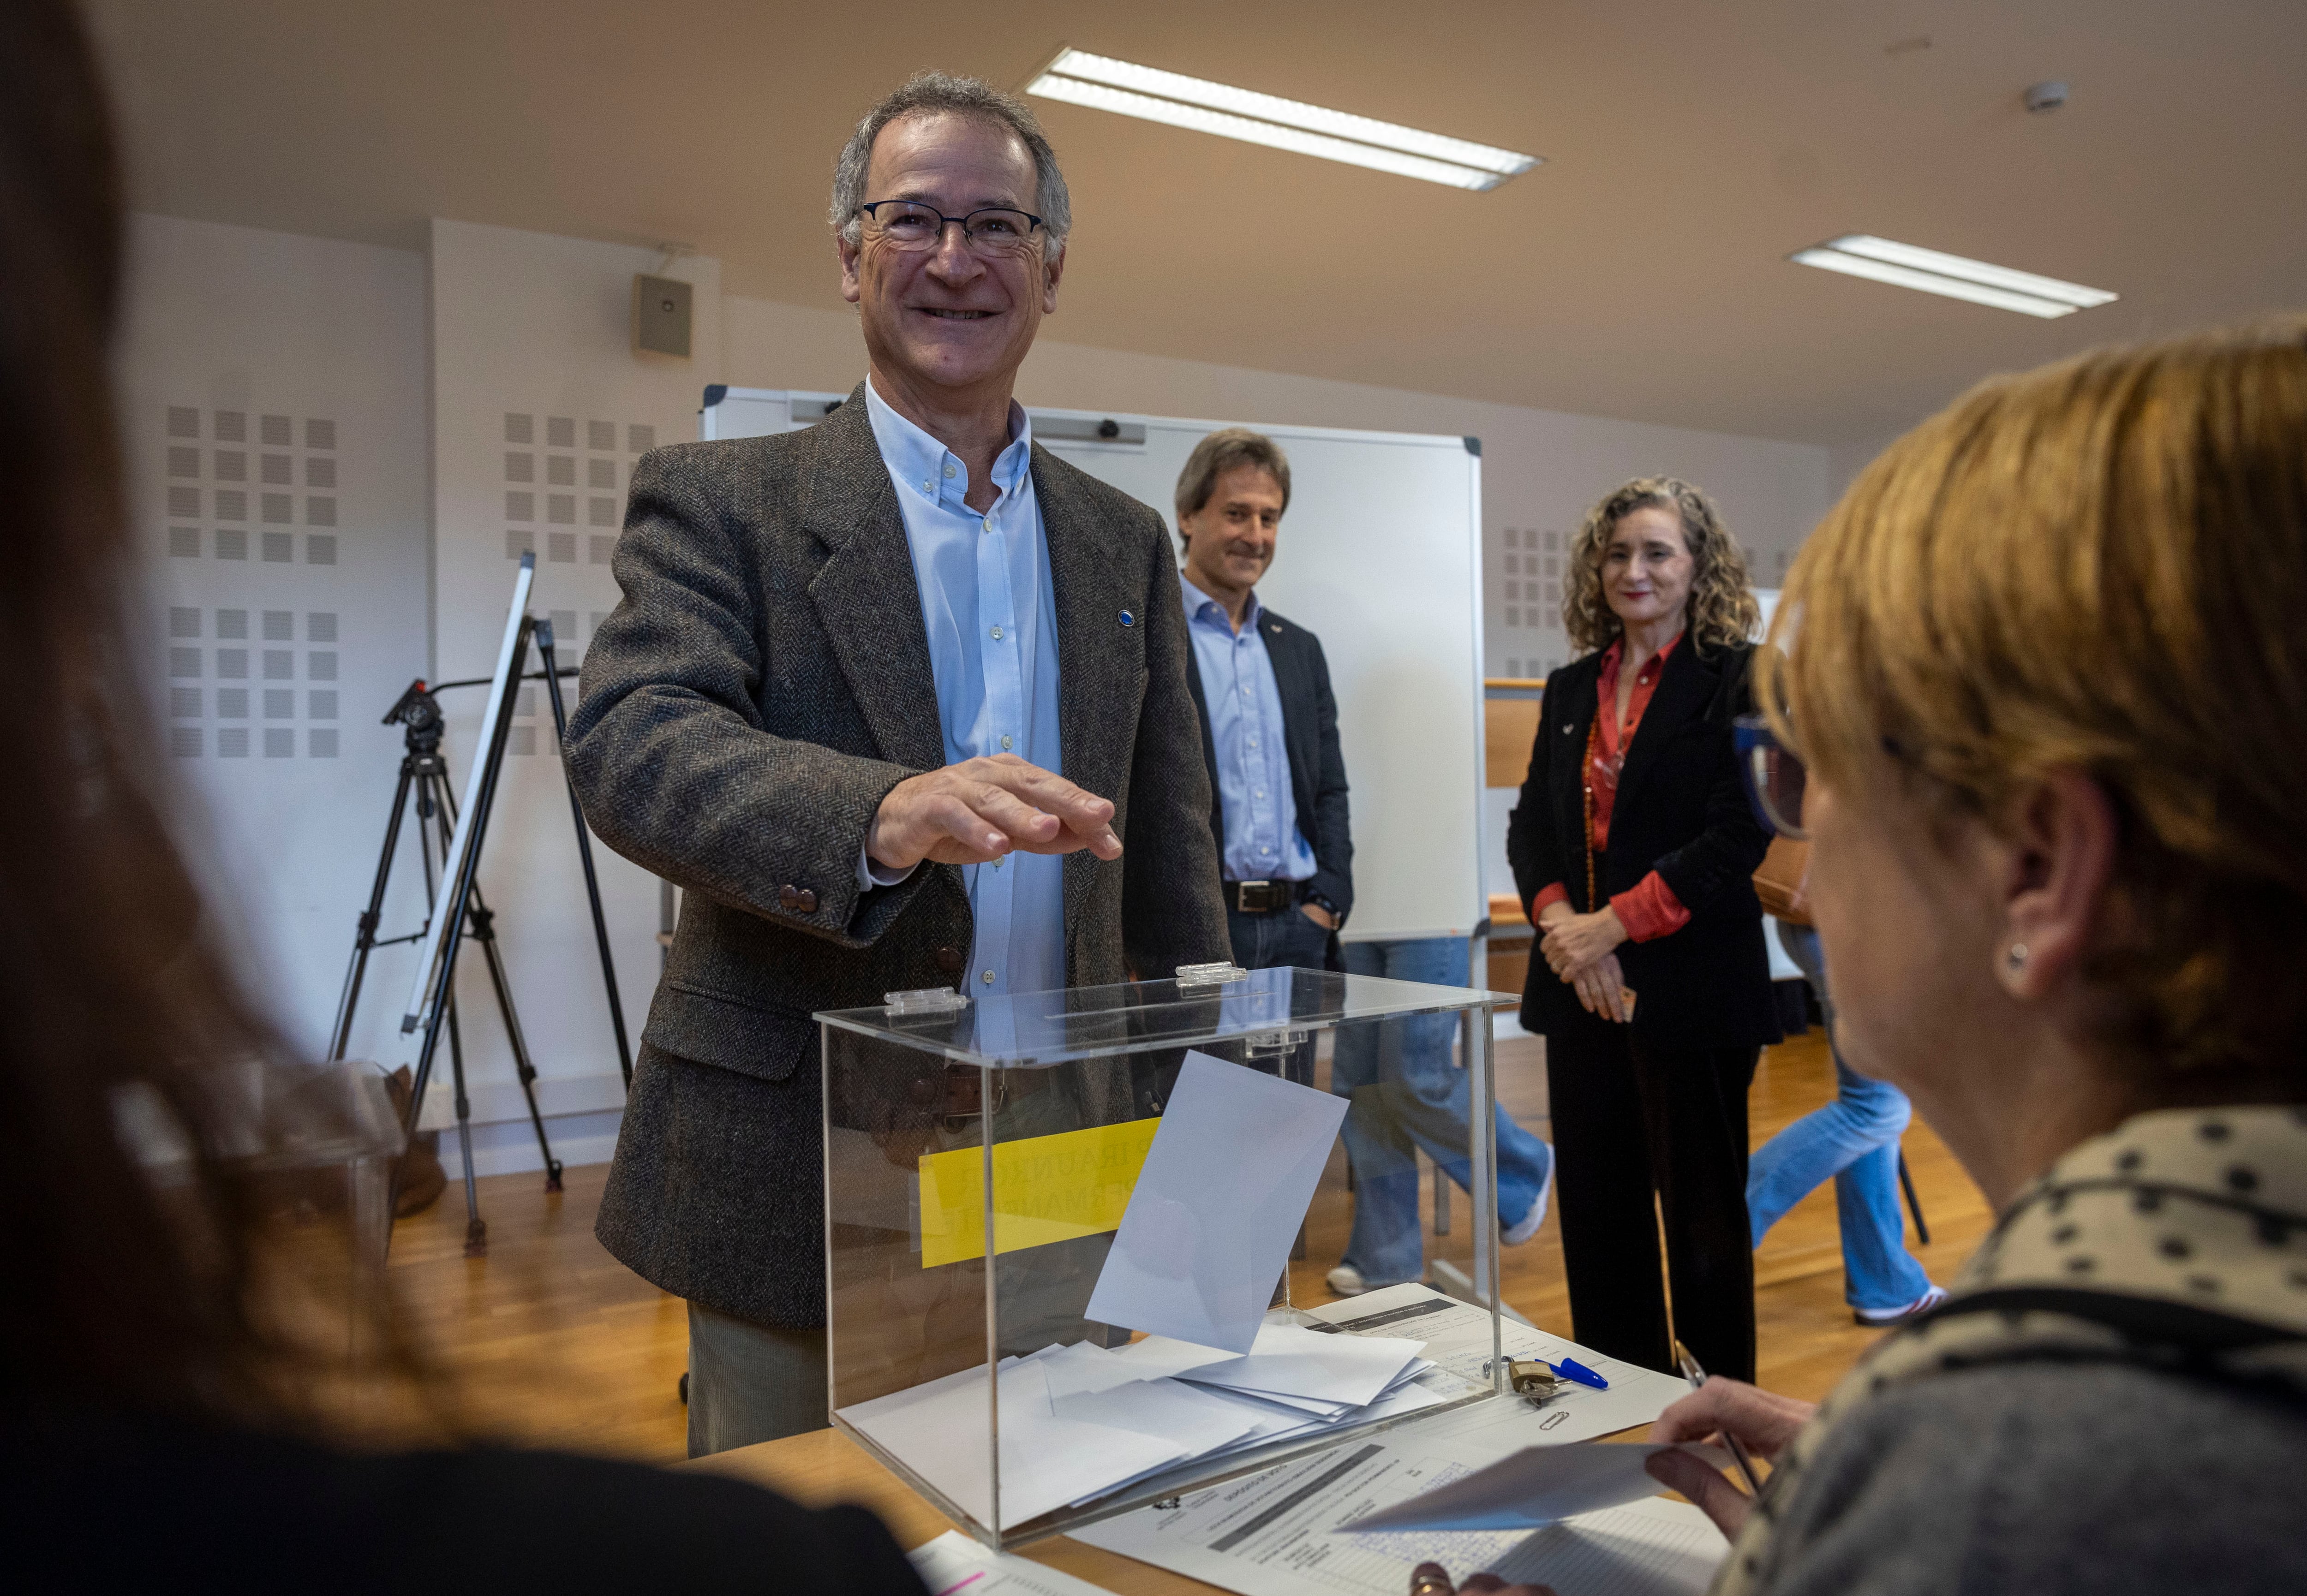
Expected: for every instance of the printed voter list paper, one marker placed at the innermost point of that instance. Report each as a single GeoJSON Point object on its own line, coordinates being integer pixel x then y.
{"type": "Point", "coordinates": [1280, 1531]}
{"type": "Point", "coordinates": [1283, 1531]}
{"type": "Point", "coordinates": [1208, 1229]}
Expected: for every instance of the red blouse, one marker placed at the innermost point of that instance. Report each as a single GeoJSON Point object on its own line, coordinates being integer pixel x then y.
{"type": "Point", "coordinates": [1648, 909]}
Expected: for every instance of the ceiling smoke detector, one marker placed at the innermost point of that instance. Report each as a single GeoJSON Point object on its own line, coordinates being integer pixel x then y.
{"type": "Point", "coordinates": [2045, 97]}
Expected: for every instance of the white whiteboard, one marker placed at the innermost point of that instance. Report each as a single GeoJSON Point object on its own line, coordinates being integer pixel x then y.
{"type": "Point", "coordinates": [1380, 556]}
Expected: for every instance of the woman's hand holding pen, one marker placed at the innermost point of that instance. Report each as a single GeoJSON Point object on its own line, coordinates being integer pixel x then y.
{"type": "Point", "coordinates": [1762, 1420]}
{"type": "Point", "coordinates": [1579, 950]}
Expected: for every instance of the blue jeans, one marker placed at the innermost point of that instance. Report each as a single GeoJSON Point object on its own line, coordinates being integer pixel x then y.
{"type": "Point", "coordinates": [1405, 1094]}
{"type": "Point", "coordinates": [1855, 1138]}
{"type": "Point", "coordinates": [1282, 939]}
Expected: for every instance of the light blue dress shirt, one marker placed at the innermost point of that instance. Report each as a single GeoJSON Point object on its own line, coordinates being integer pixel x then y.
{"type": "Point", "coordinates": [1262, 840]}
{"type": "Point", "coordinates": [987, 599]}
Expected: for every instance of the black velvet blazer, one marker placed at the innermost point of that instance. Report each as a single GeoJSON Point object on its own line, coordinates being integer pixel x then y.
{"type": "Point", "coordinates": [1681, 811]}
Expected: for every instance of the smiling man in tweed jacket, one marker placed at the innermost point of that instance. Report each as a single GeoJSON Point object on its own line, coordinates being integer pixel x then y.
{"type": "Point", "coordinates": [901, 701]}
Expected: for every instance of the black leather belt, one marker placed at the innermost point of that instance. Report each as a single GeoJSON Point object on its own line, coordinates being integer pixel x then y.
{"type": "Point", "coordinates": [1262, 897]}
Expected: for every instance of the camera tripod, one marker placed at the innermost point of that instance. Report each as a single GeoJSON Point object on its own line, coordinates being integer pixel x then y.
{"type": "Point", "coordinates": [424, 779]}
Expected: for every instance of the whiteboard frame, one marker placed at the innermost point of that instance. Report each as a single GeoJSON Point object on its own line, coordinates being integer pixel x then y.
{"type": "Point", "coordinates": [460, 843]}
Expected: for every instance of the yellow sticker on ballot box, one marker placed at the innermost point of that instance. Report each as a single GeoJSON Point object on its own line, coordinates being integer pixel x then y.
{"type": "Point", "coordinates": [1045, 1189]}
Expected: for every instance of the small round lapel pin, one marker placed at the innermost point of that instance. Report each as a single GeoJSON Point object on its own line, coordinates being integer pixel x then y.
{"type": "Point", "coordinates": [1129, 619]}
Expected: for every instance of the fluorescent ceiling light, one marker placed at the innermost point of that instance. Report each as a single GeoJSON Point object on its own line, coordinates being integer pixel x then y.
{"type": "Point", "coordinates": [1973, 271]}
{"type": "Point", "coordinates": [1102, 83]}
{"type": "Point", "coordinates": [1934, 271]}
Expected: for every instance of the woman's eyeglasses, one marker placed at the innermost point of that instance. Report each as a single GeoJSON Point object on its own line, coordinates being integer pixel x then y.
{"type": "Point", "coordinates": [1773, 774]}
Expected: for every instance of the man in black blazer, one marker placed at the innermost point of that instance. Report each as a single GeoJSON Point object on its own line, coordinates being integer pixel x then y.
{"type": "Point", "coordinates": [814, 710]}
{"type": "Point", "coordinates": [1269, 723]}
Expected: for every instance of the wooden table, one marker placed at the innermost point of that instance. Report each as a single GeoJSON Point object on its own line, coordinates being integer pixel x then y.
{"type": "Point", "coordinates": [825, 1467]}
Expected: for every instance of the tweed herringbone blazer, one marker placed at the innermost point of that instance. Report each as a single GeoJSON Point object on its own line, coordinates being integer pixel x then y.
{"type": "Point", "coordinates": [762, 685]}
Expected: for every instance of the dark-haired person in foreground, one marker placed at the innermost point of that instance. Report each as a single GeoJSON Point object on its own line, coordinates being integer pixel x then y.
{"type": "Point", "coordinates": [157, 1356]}
{"type": "Point", "coordinates": [2047, 672]}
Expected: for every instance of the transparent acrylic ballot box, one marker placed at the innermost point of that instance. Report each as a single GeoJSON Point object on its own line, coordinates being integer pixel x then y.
{"type": "Point", "coordinates": [1167, 1171]}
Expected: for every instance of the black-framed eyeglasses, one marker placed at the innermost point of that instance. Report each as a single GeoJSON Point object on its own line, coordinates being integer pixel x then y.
{"type": "Point", "coordinates": [1774, 776]}
{"type": "Point", "coordinates": [990, 230]}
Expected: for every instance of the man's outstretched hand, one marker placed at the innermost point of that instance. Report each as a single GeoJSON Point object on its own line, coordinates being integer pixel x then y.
{"type": "Point", "coordinates": [983, 809]}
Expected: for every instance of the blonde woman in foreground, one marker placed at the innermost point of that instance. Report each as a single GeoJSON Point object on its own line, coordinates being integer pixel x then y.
{"type": "Point", "coordinates": [2046, 667]}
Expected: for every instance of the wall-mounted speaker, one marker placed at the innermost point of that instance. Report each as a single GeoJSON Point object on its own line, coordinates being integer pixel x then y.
{"type": "Point", "coordinates": [661, 308]}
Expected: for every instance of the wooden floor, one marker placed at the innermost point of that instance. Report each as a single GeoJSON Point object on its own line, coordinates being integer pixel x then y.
{"type": "Point", "coordinates": [554, 1343]}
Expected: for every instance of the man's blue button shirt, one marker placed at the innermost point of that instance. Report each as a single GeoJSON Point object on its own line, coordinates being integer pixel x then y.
{"type": "Point", "coordinates": [987, 601]}
{"type": "Point", "coordinates": [1262, 841]}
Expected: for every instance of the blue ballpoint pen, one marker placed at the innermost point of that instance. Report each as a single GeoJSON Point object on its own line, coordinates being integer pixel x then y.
{"type": "Point", "coordinates": [1696, 1376]}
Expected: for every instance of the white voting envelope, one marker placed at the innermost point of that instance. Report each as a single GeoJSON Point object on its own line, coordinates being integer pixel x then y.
{"type": "Point", "coordinates": [1533, 1487]}
{"type": "Point", "coordinates": [954, 1563]}
{"type": "Point", "coordinates": [1290, 1360]}
{"type": "Point", "coordinates": [1208, 1228]}
{"type": "Point", "coordinates": [1046, 1461]}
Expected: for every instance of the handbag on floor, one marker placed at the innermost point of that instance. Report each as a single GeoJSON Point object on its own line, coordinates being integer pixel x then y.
{"type": "Point", "coordinates": [422, 1178]}
{"type": "Point", "coordinates": [1779, 881]}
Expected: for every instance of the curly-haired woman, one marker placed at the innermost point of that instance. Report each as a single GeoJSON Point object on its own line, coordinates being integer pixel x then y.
{"type": "Point", "coordinates": [1633, 849]}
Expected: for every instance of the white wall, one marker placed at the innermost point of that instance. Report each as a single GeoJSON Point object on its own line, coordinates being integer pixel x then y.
{"type": "Point", "coordinates": [232, 333]}
{"type": "Point", "coordinates": [1847, 460]}
{"type": "Point", "coordinates": [534, 380]}
{"type": "Point", "coordinates": [411, 361]}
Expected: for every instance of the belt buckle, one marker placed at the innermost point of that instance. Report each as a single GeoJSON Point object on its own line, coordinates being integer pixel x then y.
{"type": "Point", "coordinates": [1258, 897]}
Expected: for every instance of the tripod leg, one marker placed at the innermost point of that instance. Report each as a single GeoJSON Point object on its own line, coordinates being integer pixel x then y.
{"type": "Point", "coordinates": [364, 938]}
{"type": "Point", "coordinates": [484, 932]}
{"type": "Point", "coordinates": [476, 1230]}
{"type": "Point", "coordinates": [428, 809]}
{"type": "Point", "coordinates": [1914, 1203]}
{"type": "Point", "coordinates": [585, 856]}
{"type": "Point", "coordinates": [430, 784]}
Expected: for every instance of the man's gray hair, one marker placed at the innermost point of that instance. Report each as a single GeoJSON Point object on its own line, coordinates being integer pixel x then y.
{"type": "Point", "coordinates": [929, 93]}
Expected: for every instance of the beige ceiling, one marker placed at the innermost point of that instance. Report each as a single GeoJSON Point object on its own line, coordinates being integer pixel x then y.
{"type": "Point", "coordinates": [1690, 145]}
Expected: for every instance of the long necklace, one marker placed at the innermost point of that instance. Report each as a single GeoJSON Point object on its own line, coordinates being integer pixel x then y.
{"type": "Point", "coordinates": [1586, 776]}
